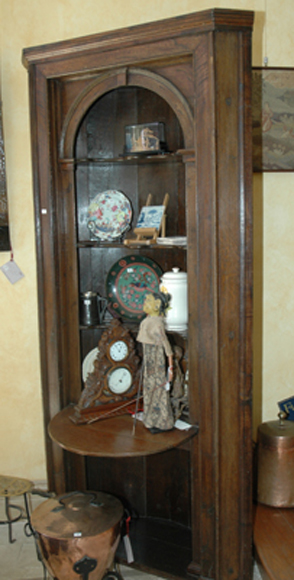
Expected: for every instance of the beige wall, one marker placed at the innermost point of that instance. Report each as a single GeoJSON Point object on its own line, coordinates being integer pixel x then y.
{"type": "Point", "coordinates": [31, 22]}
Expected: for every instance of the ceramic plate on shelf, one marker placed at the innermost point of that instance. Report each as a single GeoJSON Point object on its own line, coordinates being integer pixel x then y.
{"type": "Point", "coordinates": [88, 363]}
{"type": "Point", "coordinates": [127, 283]}
{"type": "Point", "coordinates": [109, 215]}
{"type": "Point", "coordinates": [173, 241]}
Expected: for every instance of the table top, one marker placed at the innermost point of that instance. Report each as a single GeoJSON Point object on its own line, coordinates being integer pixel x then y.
{"type": "Point", "coordinates": [112, 437]}
{"type": "Point", "coordinates": [274, 541]}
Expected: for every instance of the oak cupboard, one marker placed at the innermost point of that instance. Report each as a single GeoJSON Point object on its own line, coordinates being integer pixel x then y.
{"type": "Point", "coordinates": [191, 502]}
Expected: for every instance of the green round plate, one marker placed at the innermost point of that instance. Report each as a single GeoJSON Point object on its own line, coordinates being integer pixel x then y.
{"type": "Point", "coordinates": [127, 283]}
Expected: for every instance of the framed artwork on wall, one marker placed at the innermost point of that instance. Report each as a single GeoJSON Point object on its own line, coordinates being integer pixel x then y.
{"type": "Point", "coordinates": [273, 119]}
{"type": "Point", "coordinates": [4, 226]}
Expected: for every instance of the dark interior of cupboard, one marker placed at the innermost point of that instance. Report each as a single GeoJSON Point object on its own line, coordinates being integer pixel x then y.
{"type": "Point", "coordinates": [155, 489]}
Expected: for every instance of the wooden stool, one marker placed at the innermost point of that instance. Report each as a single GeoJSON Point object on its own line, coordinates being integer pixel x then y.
{"type": "Point", "coordinates": [10, 487]}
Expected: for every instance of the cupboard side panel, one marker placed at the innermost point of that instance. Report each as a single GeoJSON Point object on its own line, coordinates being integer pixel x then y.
{"type": "Point", "coordinates": [228, 210]}
{"type": "Point", "coordinates": [203, 329]}
{"type": "Point", "coordinates": [66, 291]}
{"type": "Point", "coordinates": [233, 252]}
{"type": "Point", "coordinates": [46, 270]}
{"type": "Point", "coordinates": [246, 513]}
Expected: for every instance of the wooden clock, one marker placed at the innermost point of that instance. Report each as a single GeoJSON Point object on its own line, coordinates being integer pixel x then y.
{"type": "Point", "coordinates": [112, 387]}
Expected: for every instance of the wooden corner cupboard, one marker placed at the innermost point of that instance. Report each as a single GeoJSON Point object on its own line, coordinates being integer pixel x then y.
{"type": "Point", "coordinates": [190, 497]}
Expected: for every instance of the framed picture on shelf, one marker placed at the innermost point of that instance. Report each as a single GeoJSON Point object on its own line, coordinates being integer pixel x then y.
{"type": "Point", "coordinates": [145, 138]}
{"type": "Point", "coordinates": [150, 216]}
{"type": "Point", "coordinates": [273, 119]}
{"type": "Point", "coordinates": [151, 222]}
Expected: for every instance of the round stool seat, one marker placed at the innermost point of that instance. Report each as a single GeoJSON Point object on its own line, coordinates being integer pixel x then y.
{"type": "Point", "coordinates": [12, 486]}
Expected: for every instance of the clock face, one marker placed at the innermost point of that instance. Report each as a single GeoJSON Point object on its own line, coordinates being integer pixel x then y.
{"type": "Point", "coordinates": [118, 350]}
{"type": "Point", "coordinates": [119, 380]}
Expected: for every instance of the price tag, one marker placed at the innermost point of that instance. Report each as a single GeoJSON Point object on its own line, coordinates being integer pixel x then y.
{"type": "Point", "coordinates": [127, 541]}
{"type": "Point", "coordinates": [128, 549]}
{"type": "Point", "coordinates": [12, 272]}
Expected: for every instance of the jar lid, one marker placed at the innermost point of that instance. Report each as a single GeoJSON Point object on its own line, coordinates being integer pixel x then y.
{"type": "Point", "coordinates": [175, 274]}
{"type": "Point", "coordinates": [279, 433]}
{"type": "Point", "coordinates": [77, 514]}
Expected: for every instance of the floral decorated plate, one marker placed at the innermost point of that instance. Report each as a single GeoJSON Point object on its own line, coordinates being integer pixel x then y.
{"type": "Point", "coordinates": [127, 283]}
{"type": "Point", "coordinates": [109, 215]}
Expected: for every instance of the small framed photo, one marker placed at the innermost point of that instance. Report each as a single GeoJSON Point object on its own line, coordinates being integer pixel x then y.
{"type": "Point", "coordinates": [150, 217]}
{"type": "Point", "coordinates": [273, 119]}
{"type": "Point", "coordinates": [151, 221]}
{"type": "Point", "coordinates": [145, 138]}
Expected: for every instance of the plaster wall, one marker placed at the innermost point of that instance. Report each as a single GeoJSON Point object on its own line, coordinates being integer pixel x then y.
{"type": "Point", "coordinates": [27, 23]}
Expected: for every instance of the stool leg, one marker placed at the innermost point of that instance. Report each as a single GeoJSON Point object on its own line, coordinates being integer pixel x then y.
{"type": "Point", "coordinates": [28, 527]}
{"type": "Point", "coordinates": [7, 510]}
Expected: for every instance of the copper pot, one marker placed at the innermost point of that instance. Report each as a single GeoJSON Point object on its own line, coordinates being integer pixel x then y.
{"type": "Point", "coordinates": [78, 534]}
{"type": "Point", "coordinates": [275, 463]}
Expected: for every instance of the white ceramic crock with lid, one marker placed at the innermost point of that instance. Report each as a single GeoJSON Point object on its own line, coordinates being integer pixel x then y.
{"type": "Point", "coordinates": [175, 283]}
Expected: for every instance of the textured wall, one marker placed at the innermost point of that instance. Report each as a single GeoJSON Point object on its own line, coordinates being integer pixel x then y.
{"type": "Point", "coordinates": [32, 22]}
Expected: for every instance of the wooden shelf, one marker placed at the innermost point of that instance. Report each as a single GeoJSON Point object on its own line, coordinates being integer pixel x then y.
{"type": "Point", "coordinates": [132, 159]}
{"type": "Point", "coordinates": [112, 437]}
{"type": "Point", "coordinates": [103, 245]}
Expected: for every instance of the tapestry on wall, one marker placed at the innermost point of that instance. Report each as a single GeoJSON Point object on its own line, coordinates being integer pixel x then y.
{"type": "Point", "coordinates": [273, 119]}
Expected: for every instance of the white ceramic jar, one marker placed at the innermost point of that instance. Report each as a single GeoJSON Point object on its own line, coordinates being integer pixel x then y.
{"type": "Point", "coordinates": [175, 283]}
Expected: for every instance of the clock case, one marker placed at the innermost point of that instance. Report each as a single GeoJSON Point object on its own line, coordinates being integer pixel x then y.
{"type": "Point", "coordinates": [98, 401]}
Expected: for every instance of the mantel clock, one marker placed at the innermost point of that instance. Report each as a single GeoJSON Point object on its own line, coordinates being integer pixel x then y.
{"type": "Point", "coordinates": [111, 388]}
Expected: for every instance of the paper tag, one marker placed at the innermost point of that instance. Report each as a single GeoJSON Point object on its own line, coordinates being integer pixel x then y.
{"type": "Point", "coordinates": [128, 549]}
{"type": "Point", "coordinates": [182, 425]}
{"type": "Point", "coordinates": [12, 271]}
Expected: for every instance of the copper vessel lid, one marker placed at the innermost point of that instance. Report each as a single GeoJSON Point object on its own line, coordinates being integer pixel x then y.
{"type": "Point", "coordinates": [77, 514]}
{"type": "Point", "coordinates": [277, 433]}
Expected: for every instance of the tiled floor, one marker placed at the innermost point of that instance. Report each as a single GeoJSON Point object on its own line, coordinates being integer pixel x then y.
{"type": "Point", "coordinates": [18, 561]}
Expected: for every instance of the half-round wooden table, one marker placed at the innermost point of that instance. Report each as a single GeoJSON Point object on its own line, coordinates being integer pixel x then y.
{"type": "Point", "coordinates": [112, 437]}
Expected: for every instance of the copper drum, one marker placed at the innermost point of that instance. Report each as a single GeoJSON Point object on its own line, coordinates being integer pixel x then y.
{"type": "Point", "coordinates": [275, 463]}
{"type": "Point", "coordinates": [78, 534]}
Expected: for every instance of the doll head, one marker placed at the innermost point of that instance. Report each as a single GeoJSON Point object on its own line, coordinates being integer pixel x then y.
{"type": "Point", "coordinates": [156, 304]}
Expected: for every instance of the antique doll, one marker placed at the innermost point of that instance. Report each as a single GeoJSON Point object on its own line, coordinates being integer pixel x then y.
{"type": "Point", "coordinates": [158, 414]}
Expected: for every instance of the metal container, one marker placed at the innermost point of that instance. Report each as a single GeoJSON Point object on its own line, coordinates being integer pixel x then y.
{"type": "Point", "coordinates": [78, 534]}
{"type": "Point", "coordinates": [89, 313]}
{"type": "Point", "coordinates": [92, 308]}
{"type": "Point", "coordinates": [275, 463]}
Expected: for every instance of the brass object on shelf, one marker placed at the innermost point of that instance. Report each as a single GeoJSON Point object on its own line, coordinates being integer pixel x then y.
{"type": "Point", "coordinates": [275, 462]}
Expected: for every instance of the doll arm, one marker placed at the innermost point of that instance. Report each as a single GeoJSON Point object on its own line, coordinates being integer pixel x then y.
{"type": "Point", "coordinates": [170, 368]}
